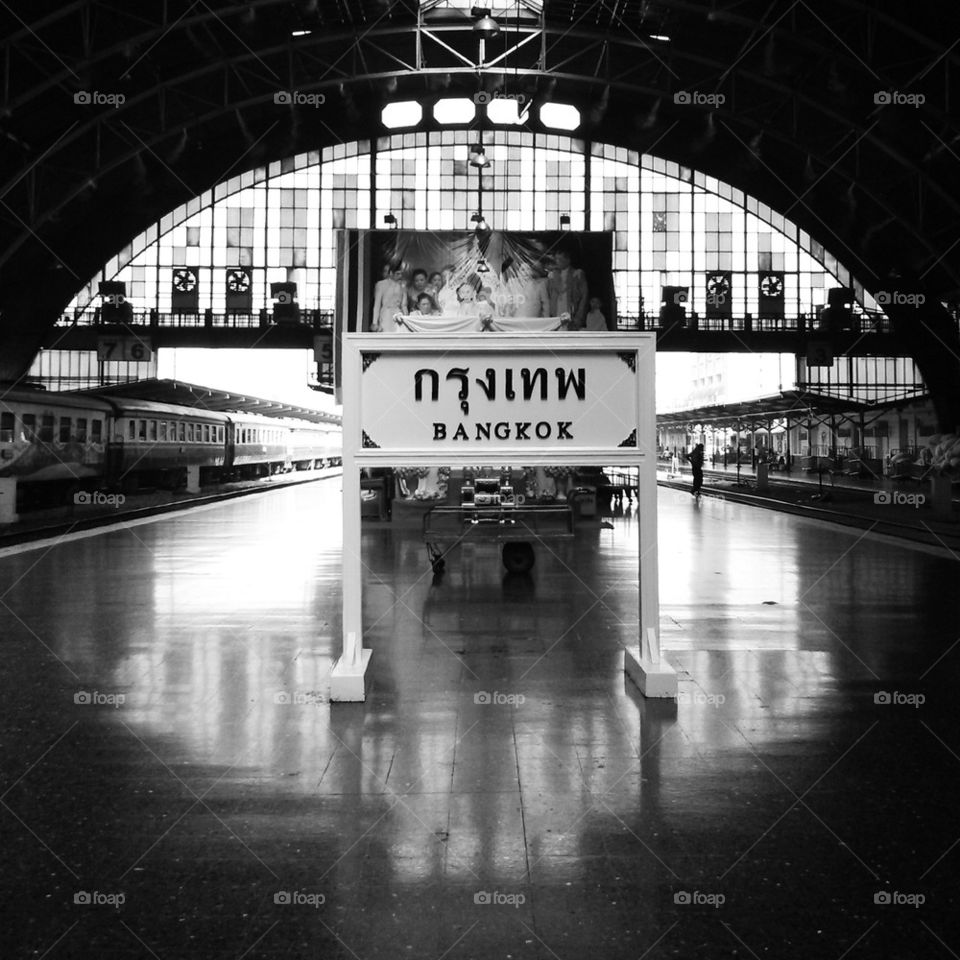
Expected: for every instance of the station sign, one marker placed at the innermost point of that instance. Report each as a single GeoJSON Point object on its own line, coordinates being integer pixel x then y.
{"type": "Point", "coordinates": [483, 399]}
{"type": "Point", "coordinates": [512, 396]}
{"type": "Point", "coordinates": [123, 348]}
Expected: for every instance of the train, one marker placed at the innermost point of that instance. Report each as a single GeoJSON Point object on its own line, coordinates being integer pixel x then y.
{"type": "Point", "coordinates": [64, 443]}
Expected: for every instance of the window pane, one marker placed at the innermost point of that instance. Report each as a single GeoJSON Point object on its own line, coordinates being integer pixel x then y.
{"type": "Point", "coordinates": [6, 427]}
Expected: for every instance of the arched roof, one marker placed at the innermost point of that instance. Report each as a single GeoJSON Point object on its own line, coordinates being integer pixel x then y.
{"type": "Point", "coordinates": [799, 127]}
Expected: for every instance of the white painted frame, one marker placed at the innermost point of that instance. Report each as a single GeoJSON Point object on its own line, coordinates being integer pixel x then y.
{"type": "Point", "coordinates": [642, 661]}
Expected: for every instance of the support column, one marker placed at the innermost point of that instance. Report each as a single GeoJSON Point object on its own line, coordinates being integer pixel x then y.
{"type": "Point", "coordinates": [348, 674]}
{"type": "Point", "coordinates": [644, 663]}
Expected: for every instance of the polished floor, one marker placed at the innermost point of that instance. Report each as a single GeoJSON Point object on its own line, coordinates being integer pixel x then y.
{"type": "Point", "coordinates": [176, 785]}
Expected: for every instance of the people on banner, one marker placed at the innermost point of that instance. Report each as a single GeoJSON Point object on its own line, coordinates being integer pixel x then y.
{"type": "Point", "coordinates": [540, 288]}
{"type": "Point", "coordinates": [389, 299]}
{"type": "Point", "coordinates": [567, 288]}
{"type": "Point", "coordinates": [418, 285]}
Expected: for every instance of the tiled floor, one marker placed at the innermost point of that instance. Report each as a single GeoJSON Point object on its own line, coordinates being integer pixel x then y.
{"type": "Point", "coordinates": [504, 792]}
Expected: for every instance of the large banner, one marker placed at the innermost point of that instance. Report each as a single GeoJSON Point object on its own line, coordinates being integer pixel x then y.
{"type": "Point", "coordinates": [488, 275]}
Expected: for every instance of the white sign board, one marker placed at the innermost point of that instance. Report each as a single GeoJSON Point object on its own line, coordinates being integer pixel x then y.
{"type": "Point", "coordinates": [506, 398]}
{"type": "Point", "coordinates": [499, 399]}
{"type": "Point", "coordinates": [510, 403]}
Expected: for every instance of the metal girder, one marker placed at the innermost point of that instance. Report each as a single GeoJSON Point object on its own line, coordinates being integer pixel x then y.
{"type": "Point", "coordinates": [221, 104]}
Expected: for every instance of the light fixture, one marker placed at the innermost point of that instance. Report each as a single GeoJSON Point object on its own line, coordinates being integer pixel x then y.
{"type": "Point", "coordinates": [662, 37]}
{"type": "Point", "coordinates": [390, 220]}
{"type": "Point", "coordinates": [482, 266]}
{"type": "Point", "coordinates": [477, 156]}
{"type": "Point", "coordinates": [484, 24]}
{"type": "Point", "coordinates": [300, 33]}
{"type": "Point", "coordinates": [481, 226]}
{"type": "Point", "coordinates": [564, 219]}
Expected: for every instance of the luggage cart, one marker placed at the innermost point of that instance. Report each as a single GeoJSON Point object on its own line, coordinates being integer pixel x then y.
{"type": "Point", "coordinates": [513, 526]}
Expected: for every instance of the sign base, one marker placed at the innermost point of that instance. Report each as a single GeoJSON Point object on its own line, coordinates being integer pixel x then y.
{"type": "Point", "coordinates": [347, 682]}
{"type": "Point", "coordinates": [657, 680]}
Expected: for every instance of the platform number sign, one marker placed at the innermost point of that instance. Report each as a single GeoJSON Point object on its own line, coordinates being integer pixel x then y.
{"type": "Point", "coordinates": [123, 349]}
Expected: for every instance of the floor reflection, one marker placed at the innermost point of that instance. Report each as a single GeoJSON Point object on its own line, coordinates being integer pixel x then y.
{"type": "Point", "coordinates": [500, 747]}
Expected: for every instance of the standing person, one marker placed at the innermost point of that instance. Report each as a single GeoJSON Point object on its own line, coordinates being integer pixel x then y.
{"type": "Point", "coordinates": [447, 296]}
{"type": "Point", "coordinates": [567, 288]}
{"type": "Point", "coordinates": [533, 298]}
{"type": "Point", "coordinates": [434, 285]}
{"type": "Point", "coordinates": [595, 318]}
{"type": "Point", "coordinates": [389, 299]}
{"type": "Point", "coordinates": [696, 465]}
{"type": "Point", "coordinates": [418, 285]}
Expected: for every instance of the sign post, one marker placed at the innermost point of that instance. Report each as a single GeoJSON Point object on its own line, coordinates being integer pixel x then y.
{"type": "Point", "coordinates": [494, 399]}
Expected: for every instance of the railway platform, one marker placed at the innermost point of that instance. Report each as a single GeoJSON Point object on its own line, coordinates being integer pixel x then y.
{"type": "Point", "coordinates": [176, 783]}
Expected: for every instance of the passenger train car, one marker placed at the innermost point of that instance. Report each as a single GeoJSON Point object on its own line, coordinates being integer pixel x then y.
{"type": "Point", "coordinates": [71, 442]}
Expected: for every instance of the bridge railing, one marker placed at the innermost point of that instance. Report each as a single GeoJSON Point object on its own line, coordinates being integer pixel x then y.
{"type": "Point", "coordinates": [862, 322]}
{"type": "Point", "coordinates": [319, 320]}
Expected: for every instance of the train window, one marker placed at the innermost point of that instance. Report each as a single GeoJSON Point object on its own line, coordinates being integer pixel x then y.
{"type": "Point", "coordinates": [96, 431]}
{"type": "Point", "coordinates": [163, 429]}
{"type": "Point", "coordinates": [81, 429]}
{"type": "Point", "coordinates": [29, 428]}
{"type": "Point", "coordinates": [132, 429]}
{"type": "Point", "coordinates": [190, 433]}
{"type": "Point", "coordinates": [219, 434]}
{"type": "Point", "coordinates": [46, 428]}
{"type": "Point", "coordinates": [64, 435]}
{"type": "Point", "coordinates": [6, 427]}
{"type": "Point", "coordinates": [153, 429]}
{"type": "Point", "coordinates": [182, 431]}
{"type": "Point", "coordinates": [142, 431]}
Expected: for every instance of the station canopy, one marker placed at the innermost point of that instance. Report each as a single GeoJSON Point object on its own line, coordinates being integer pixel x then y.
{"type": "Point", "coordinates": [209, 398]}
{"type": "Point", "coordinates": [796, 404]}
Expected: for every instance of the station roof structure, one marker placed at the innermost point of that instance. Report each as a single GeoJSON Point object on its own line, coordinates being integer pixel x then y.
{"type": "Point", "coordinates": [795, 404]}
{"type": "Point", "coordinates": [209, 398]}
{"type": "Point", "coordinates": [834, 113]}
